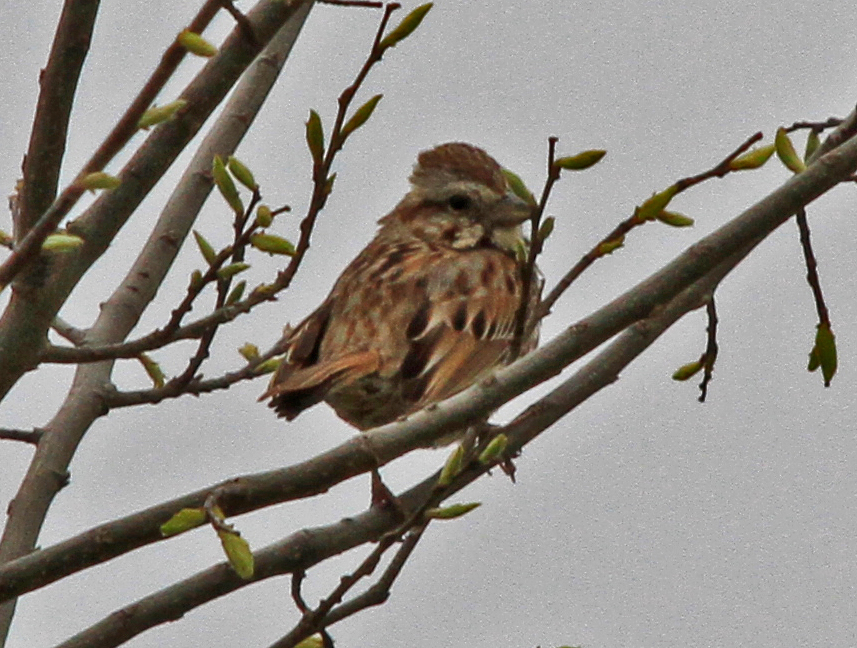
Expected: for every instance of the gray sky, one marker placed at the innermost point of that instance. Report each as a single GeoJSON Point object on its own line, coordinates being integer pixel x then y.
{"type": "Point", "coordinates": [644, 518]}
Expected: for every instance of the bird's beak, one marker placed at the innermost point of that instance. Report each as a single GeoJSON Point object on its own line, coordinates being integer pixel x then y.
{"type": "Point", "coordinates": [511, 211]}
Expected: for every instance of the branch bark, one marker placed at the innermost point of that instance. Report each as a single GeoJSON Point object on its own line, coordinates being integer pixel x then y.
{"type": "Point", "coordinates": [48, 470]}
{"type": "Point", "coordinates": [648, 308]}
{"type": "Point", "coordinates": [58, 82]}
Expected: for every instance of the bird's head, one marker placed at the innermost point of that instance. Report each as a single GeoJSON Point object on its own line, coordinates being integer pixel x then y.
{"type": "Point", "coordinates": [460, 198]}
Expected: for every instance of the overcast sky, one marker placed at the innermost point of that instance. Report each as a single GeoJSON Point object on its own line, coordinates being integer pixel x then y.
{"type": "Point", "coordinates": [643, 518]}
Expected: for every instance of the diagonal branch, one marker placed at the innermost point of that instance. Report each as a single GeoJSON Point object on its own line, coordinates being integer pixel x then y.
{"type": "Point", "coordinates": [309, 547]}
{"type": "Point", "coordinates": [51, 212]}
{"type": "Point", "coordinates": [721, 250]}
{"type": "Point", "coordinates": [122, 311]}
{"type": "Point", "coordinates": [30, 312]}
{"type": "Point", "coordinates": [618, 234]}
{"type": "Point", "coordinates": [58, 83]}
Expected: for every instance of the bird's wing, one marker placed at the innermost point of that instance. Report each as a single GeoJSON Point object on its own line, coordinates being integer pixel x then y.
{"type": "Point", "coordinates": [464, 326]}
{"type": "Point", "coordinates": [424, 324]}
{"type": "Point", "coordinates": [301, 380]}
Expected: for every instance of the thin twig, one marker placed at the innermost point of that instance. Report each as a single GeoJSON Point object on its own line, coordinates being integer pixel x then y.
{"type": "Point", "coordinates": [618, 234]}
{"type": "Point", "coordinates": [711, 349]}
{"type": "Point", "coordinates": [830, 122]}
{"type": "Point", "coordinates": [376, 594]}
{"type": "Point", "coordinates": [812, 269]}
{"type": "Point", "coordinates": [297, 580]}
{"type": "Point", "coordinates": [523, 316]}
{"type": "Point", "coordinates": [73, 334]}
{"type": "Point", "coordinates": [27, 436]}
{"type": "Point", "coordinates": [194, 387]}
{"type": "Point", "coordinates": [122, 132]}
{"type": "Point", "coordinates": [241, 19]}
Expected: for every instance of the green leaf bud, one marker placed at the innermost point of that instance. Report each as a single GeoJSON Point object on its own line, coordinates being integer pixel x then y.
{"type": "Point", "coordinates": [581, 161]}
{"type": "Point", "coordinates": [786, 152]}
{"type": "Point", "coordinates": [153, 369]}
{"type": "Point", "coordinates": [328, 185]}
{"type": "Point", "coordinates": [205, 248]}
{"type": "Point", "coordinates": [315, 137]}
{"type": "Point", "coordinates": [451, 511]}
{"type": "Point", "coordinates": [494, 450]}
{"type": "Point", "coordinates": [406, 27]}
{"type": "Point", "coordinates": [608, 247]}
{"type": "Point", "coordinates": [249, 351]}
{"type": "Point", "coordinates": [184, 520]}
{"type": "Point", "coordinates": [226, 186]}
{"type": "Point", "coordinates": [61, 242]}
{"type": "Point", "coordinates": [227, 272]}
{"type": "Point", "coordinates": [264, 216]}
{"type": "Point", "coordinates": [674, 219]}
{"type": "Point", "coordinates": [452, 467]}
{"type": "Point", "coordinates": [360, 116]}
{"type": "Point", "coordinates": [650, 208]}
{"type": "Point", "coordinates": [236, 293]}
{"type": "Point", "coordinates": [157, 114]}
{"type": "Point", "coordinates": [196, 280]}
{"type": "Point", "coordinates": [238, 553]}
{"type": "Point", "coordinates": [546, 228]}
{"type": "Point", "coordinates": [241, 172]}
{"type": "Point", "coordinates": [315, 641]}
{"type": "Point", "coordinates": [518, 187]}
{"type": "Point", "coordinates": [825, 353]}
{"type": "Point", "coordinates": [99, 180]}
{"type": "Point", "coordinates": [272, 244]}
{"type": "Point", "coordinates": [753, 159]}
{"type": "Point", "coordinates": [196, 44]}
{"type": "Point", "coordinates": [813, 141]}
{"type": "Point", "coordinates": [269, 366]}
{"type": "Point", "coordinates": [688, 371]}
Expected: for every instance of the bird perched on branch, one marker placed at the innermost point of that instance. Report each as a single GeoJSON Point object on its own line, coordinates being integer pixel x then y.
{"type": "Point", "coordinates": [428, 308]}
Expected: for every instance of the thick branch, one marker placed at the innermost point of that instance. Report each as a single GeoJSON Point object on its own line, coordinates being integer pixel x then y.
{"type": "Point", "coordinates": [58, 82]}
{"type": "Point", "coordinates": [721, 250]}
{"type": "Point", "coordinates": [118, 316]}
{"type": "Point", "coordinates": [54, 210]}
{"type": "Point", "coordinates": [26, 320]}
{"type": "Point", "coordinates": [306, 548]}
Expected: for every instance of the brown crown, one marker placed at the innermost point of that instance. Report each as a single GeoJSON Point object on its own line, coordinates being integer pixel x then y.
{"type": "Point", "coordinates": [463, 161]}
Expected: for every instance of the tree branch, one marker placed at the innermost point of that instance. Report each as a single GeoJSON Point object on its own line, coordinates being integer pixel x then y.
{"type": "Point", "coordinates": [721, 250]}
{"type": "Point", "coordinates": [121, 312]}
{"type": "Point", "coordinates": [309, 547]}
{"type": "Point", "coordinates": [30, 312]}
{"type": "Point", "coordinates": [53, 211]}
{"type": "Point", "coordinates": [619, 232]}
{"type": "Point", "coordinates": [58, 82]}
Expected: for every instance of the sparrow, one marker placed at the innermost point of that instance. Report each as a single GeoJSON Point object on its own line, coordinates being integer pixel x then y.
{"type": "Point", "coordinates": [428, 307]}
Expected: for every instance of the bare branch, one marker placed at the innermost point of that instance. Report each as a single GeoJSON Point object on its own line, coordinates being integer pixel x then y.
{"type": "Point", "coordinates": [58, 82]}
{"type": "Point", "coordinates": [376, 594]}
{"type": "Point", "coordinates": [50, 215]}
{"type": "Point", "coordinates": [71, 333]}
{"type": "Point", "coordinates": [27, 436]}
{"type": "Point", "coordinates": [812, 268]}
{"type": "Point", "coordinates": [711, 349]}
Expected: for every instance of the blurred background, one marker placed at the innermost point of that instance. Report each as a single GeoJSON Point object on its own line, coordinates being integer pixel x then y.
{"type": "Point", "coordinates": [644, 518]}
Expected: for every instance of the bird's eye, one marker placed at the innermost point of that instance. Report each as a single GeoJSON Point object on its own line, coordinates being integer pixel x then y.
{"type": "Point", "coordinates": [460, 202]}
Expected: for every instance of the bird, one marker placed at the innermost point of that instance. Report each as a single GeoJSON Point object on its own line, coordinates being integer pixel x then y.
{"type": "Point", "coordinates": [426, 309]}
